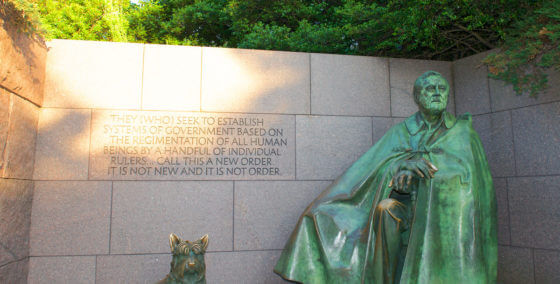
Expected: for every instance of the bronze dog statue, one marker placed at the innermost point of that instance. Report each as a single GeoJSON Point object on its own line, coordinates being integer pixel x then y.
{"type": "Point", "coordinates": [187, 265]}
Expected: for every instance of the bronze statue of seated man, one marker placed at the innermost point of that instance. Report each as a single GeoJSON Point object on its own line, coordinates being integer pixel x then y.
{"type": "Point", "coordinates": [418, 207]}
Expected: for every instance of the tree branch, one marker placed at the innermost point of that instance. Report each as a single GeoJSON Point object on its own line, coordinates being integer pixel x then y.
{"type": "Point", "coordinates": [483, 41]}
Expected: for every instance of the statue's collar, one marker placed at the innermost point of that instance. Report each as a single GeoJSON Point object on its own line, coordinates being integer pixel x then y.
{"type": "Point", "coordinates": [416, 122]}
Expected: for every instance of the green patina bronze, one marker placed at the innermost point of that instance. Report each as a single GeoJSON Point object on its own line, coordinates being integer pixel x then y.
{"type": "Point", "coordinates": [418, 207]}
{"type": "Point", "coordinates": [187, 264]}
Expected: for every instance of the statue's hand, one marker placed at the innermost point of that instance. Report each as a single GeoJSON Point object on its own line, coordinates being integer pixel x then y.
{"type": "Point", "coordinates": [421, 168]}
{"type": "Point", "coordinates": [409, 170]}
{"type": "Point", "coordinates": [402, 181]}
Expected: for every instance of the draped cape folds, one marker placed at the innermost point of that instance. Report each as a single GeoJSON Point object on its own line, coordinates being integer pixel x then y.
{"type": "Point", "coordinates": [452, 231]}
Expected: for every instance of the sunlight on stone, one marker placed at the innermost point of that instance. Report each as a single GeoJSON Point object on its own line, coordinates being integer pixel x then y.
{"type": "Point", "coordinates": [234, 80]}
{"type": "Point", "coordinates": [93, 74]}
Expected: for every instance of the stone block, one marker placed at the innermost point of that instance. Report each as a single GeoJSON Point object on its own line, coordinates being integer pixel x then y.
{"type": "Point", "coordinates": [380, 126]}
{"type": "Point", "coordinates": [255, 81]}
{"type": "Point", "coordinates": [63, 140]}
{"type": "Point", "coordinates": [503, 97]}
{"type": "Point", "coordinates": [349, 85]}
{"type": "Point", "coordinates": [221, 267]}
{"type": "Point", "coordinates": [20, 149]}
{"type": "Point", "coordinates": [500, 185]}
{"type": "Point", "coordinates": [242, 267]}
{"type": "Point", "coordinates": [132, 268]}
{"type": "Point", "coordinates": [6, 256]}
{"type": "Point", "coordinates": [70, 218]}
{"type": "Point", "coordinates": [157, 145]}
{"type": "Point", "coordinates": [537, 136]}
{"type": "Point", "coordinates": [267, 212]}
{"type": "Point", "coordinates": [397, 120]}
{"type": "Point", "coordinates": [145, 213]}
{"type": "Point", "coordinates": [403, 74]}
{"type": "Point", "coordinates": [327, 145]}
{"type": "Point", "coordinates": [15, 218]}
{"type": "Point", "coordinates": [15, 272]}
{"type": "Point", "coordinates": [22, 69]}
{"type": "Point", "coordinates": [533, 205]}
{"type": "Point", "coordinates": [497, 139]}
{"type": "Point", "coordinates": [93, 74]}
{"type": "Point", "coordinates": [5, 110]}
{"type": "Point", "coordinates": [470, 77]}
{"type": "Point", "coordinates": [67, 269]}
{"type": "Point", "coordinates": [546, 266]}
{"type": "Point", "coordinates": [171, 79]}
{"type": "Point", "coordinates": [515, 265]}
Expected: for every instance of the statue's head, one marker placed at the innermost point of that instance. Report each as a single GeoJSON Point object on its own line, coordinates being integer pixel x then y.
{"type": "Point", "coordinates": [188, 257]}
{"type": "Point", "coordinates": [431, 92]}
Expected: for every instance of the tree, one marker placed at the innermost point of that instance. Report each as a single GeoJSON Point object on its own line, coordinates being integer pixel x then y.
{"type": "Point", "coordinates": [428, 29]}
{"type": "Point", "coordinates": [435, 29]}
{"type": "Point", "coordinates": [84, 19]}
{"type": "Point", "coordinates": [531, 47]}
{"type": "Point", "coordinates": [21, 14]}
{"type": "Point", "coordinates": [181, 22]}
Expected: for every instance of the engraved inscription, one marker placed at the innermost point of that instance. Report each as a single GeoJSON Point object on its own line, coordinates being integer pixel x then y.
{"type": "Point", "coordinates": [144, 145]}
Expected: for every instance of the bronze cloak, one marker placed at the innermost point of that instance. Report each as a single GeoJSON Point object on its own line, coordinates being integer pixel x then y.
{"type": "Point", "coordinates": [452, 235]}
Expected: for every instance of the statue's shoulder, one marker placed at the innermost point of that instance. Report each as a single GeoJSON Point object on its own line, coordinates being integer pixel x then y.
{"type": "Point", "coordinates": [464, 125]}
{"type": "Point", "coordinates": [465, 116]}
{"type": "Point", "coordinates": [465, 120]}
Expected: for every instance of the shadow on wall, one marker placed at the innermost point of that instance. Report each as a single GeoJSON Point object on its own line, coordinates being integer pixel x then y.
{"type": "Point", "coordinates": [62, 144]}
{"type": "Point", "coordinates": [233, 81]}
{"type": "Point", "coordinates": [22, 37]}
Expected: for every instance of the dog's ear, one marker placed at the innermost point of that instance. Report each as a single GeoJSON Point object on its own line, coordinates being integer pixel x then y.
{"type": "Point", "coordinates": [204, 242]}
{"type": "Point", "coordinates": [173, 241]}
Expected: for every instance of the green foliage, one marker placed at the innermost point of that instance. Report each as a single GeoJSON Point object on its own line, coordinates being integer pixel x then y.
{"type": "Point", "coordinates": [180, 22]}
{"type": "Point", "coordinates": [22, 14]}
{"type": "Point", "coordinates": [436, 29]}
{"type": "Point", "coordinates": [426, 29]}
{"type": "Point", "coordinates": [84, 19]}
{"type": "Point", "coordinates": [531, 47]}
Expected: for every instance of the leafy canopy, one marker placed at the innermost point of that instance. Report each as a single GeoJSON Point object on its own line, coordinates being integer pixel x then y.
{"type": "Point", "coordinates": [530, 50]}
{"type": "Point", "coordinates": [528, 31]}
{"type": "Point", "coordinates": [436, 29]}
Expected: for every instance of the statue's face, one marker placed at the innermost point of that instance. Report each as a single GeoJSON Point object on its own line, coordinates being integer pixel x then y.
{"type": "Point", "coordinates": [433, 97]}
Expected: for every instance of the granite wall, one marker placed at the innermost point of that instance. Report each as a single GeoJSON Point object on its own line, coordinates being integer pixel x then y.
{"type": "Point", "coordinates": [22, 66]}
{"type": "Point", "coordinates": [98, 218]}
{"type": "Point", "coordinates": [104, 220]}
{"type": "Point", "coordinates": [521, 136]}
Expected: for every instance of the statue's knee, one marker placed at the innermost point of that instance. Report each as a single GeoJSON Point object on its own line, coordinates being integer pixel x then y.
{"type": "Point", "coordinates": [386, 204]}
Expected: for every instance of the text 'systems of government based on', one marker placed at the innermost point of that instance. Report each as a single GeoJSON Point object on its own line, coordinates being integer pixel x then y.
{"type": "Point", "coordinates": [187, 145]}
